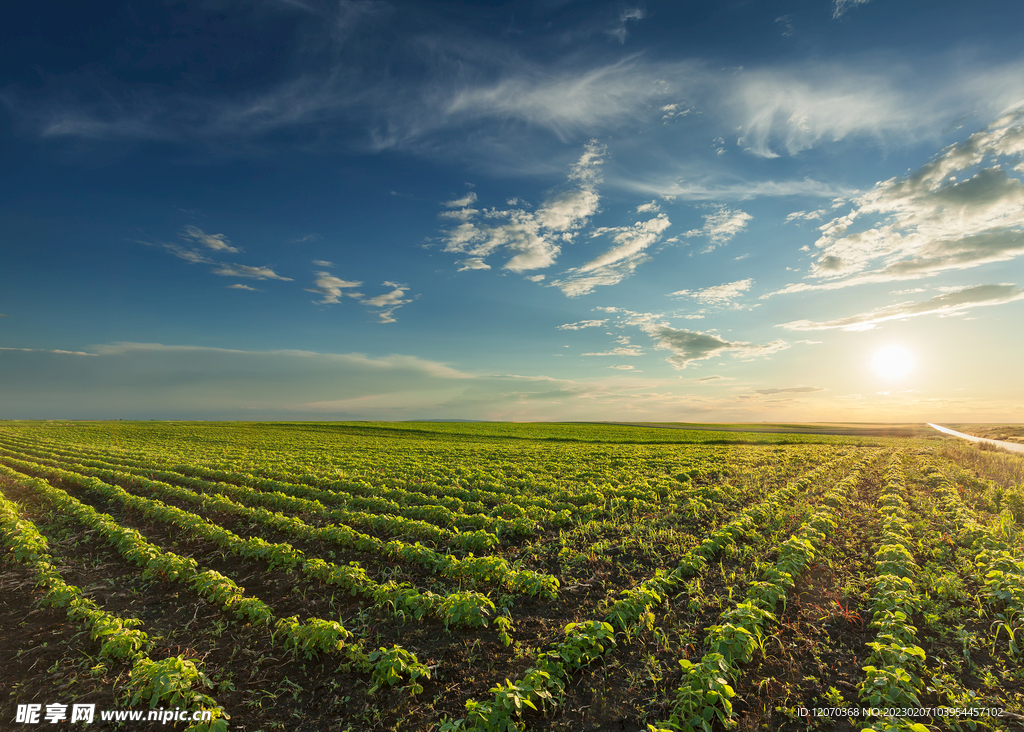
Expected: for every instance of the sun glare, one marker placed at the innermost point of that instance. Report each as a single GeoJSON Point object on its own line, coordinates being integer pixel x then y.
{"type": "Point", "coordinates": [893, 362]}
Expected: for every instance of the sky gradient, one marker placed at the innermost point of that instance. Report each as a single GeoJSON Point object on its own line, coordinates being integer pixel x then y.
{"type": "Point", "coordinates": [550, 210]}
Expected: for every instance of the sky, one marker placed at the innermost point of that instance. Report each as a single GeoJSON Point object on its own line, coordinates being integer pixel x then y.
{"type": "Point", "coordinates": [734, 210]}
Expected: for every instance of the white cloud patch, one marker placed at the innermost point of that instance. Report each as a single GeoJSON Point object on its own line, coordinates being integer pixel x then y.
{"type": "Point", "coordinates": [961, 210]}
{"type": "Point", "coordinates": [689, 346]}
{"type": "Point", "coordinates": [617, 263]}
{"type": "Point", "coordinates": [215, 242]}
{"type": "Point", "coordinates": [534, 238]}
{"type": "Point", "coordinates": [473, 263]}
{"type": "Point", "coordinates": [719, 294]}
{"type": "Point", "coordinates": [945, 305]}
{"type": "Point", "coordinates": [243, 287]}
{"type": "Point", "coordinates": [332, 288]}
{"type": "Point", "coordinates": [805, 215]}
{"type": "Point", "coordinates": [536, 278]}
{"type": "Point", "coordinates": [255, 273]}
{"type": "Point", "coordinates": [721, 225]}
{"type": "Point", "coordinates": [672, 111]}
{"type": "Point", "coordinates": [583, 324]}
{"type": "Point", "coordinates": [468, 200]}
{"type": "Point", "coordinates": [623, 367]}
{"type": "Point", "coordinates": [651, 207]}
{"type": "Point", "coordinates": [323, 263]}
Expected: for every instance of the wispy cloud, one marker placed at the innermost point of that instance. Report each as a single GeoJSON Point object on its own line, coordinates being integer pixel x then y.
{"type": "Point", "coordinates": [719, 294]}
{"type": "Point", "coordinates": [839, 7]}
{"type": "Point", "coordinates": [47, 350]}
{"type": "Point", "coordinates": [620, 351]}
{"type": "Point", "coordinates": [333, 288]}
{"type": "Point", "coordinates": [389, 301]}
{"type": "Point", "coordinates": [721, 225]}
{"type": "Point", "coordinates": [468, 200]}
{"type": "Point", "coordinates": [949, 303]}
{"type": "Point", "coordinates": [619, 31]}
{"type": "Point", "coordinates": [242, 270]}
{"type": "Point", "coordinates": [215, 242]}
{"type": "Point", "coordinates": [243, 287]}
{"type": "Point", "coordinates": [583, 324]}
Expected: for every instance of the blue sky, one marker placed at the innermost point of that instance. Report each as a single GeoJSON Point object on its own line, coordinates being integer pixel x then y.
{"type": "Point", "coordinates": [550, 210]}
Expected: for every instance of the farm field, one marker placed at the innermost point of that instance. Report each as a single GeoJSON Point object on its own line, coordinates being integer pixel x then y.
{"type": "Point", "coordinates": [491, 576]}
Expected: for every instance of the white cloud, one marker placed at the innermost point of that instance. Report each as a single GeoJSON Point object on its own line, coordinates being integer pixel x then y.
{"type": "Point", "coordinates": [216, 242]}
{"type": "Point", "coordinates": [805, 215]}
{"type": "Point", "coordinates": [46, 350]}
{"type": "Point", "coordinates": [623, 367]}
{"type": "Point", "coordinates": [651, 207]}
{"type": "Point", "coordinates": [240, 270]}
{"type": "Point", "coordinates": [583, 324]}
{"type": "Point", "coordinates": [389, 301]}
{"type": "Point", "coordinates": [243, 287]}
{"type": "Point", "coordinates": [671, 111]}
{"type": "Point", "coordinates": [332, 288]}
{"type": "Point", "coordinates": [952, 213]}
{"type": "Point", "coordinates": [577, 283]}
{"type": "Point", "coordinates": [690, 346]}
{"type": "Point", "coordinates": [721, 225]}
{"type": "Point", "coordinates": [189, 255]}
{"type": "Point", "coordinates": [631, 240]}
{"type": "Point", "coordinates": [534, 238]}
{"type": "Point", "coordinates": [464, 202]}
{"type": "Point", "coordinates": [473, 263]}
{"type": "Point", "coordinates": [536, 278]}
{"type": "Point", "coordinates": [306, 238]}
{"type": "Point", "coordinates": [718, 294]}
{"type": "Point", "coordinates": [945, 305]}
{"type": "Point", "coordinates": [617, 263]}
{"type": "Point", "coordinates": [322, 263]}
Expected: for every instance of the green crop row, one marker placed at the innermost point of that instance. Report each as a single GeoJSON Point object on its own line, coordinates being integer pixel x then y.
{"type": "Point", "coordinates": [544, 683]}
{"type": "Point", "coordinates": [703, 699]}
{"type": "Point", "coordinates": [379, 523]}
{"type": "Point", "coordinates": [311, 637]}
{"type": "Point", "coordinates": [169, 682]}
{"type": "Point", "coordinates": [400, 598]}
{"type": "Point", "coordinates": [506, 513]}
{"type": "Point", "coordinates": [892, 677]}
{"type": "Point", "coordinates": [1000, 571]}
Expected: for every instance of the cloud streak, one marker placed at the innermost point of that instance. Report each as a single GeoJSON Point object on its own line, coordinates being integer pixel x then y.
{"type": "Point", "coordinates": [949, 303]}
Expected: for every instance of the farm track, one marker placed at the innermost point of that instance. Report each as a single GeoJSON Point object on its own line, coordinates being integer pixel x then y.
{"type": "Point", "coordinates": [702, 514]}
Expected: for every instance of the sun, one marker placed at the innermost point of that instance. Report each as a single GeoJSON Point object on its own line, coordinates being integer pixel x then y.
{"type": "Point", "coordinates": [893, 362]}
